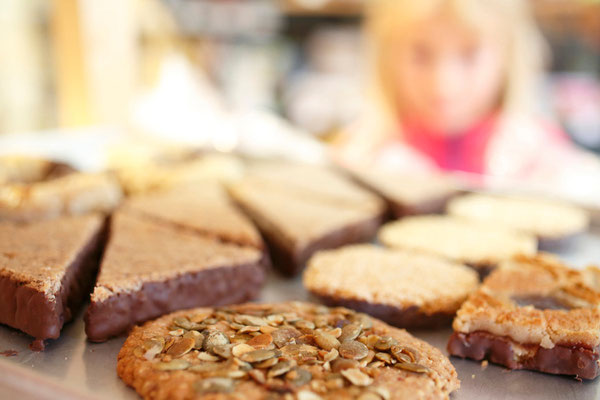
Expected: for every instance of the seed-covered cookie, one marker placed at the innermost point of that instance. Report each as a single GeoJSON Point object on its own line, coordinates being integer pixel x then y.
{"type": "Point", "coordinates": [290, 351]}
{"type": "Point", "coordinates": [554, 223]}
{"type": "Point", "coordinates": [402, 288]}
{"type": "Point", "coordinates": [479, 246]}
{"type": "Point", "coordinates": [533, 313]}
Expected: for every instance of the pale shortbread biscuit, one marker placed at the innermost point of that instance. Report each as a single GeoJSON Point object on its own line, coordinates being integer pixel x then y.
{"type": "Point", "coordinates": [421, 283]}
{"type": "Point", "coordinates": [495, 308]}
{"type": "Point", "coordinates": [478, 245]}
{"type": "Point", "coordinates": [548, 220]}
{"type": "Point", "coordinates": [288, 350]}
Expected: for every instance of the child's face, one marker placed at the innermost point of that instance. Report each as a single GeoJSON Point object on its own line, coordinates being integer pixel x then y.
{"type": "Point", "coordinates": [447, 76]}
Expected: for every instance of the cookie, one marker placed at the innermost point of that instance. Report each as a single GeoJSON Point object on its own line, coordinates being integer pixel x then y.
{"type": "Point", "coordinates": [533, 313]}
{"type": "Point", "coordinates": [70, 194]}
{"type": "Point", "coordinates": [153, 172]}
{"type": "Point", "coordinates": [553, 222]}
{"type": "Point", "coordinates": [204, 208]}
{"type": "Point", "coordinates": [289, 350]}
{"type": "Point", "coordinates": [27, 169]}
{"type": "Point", "coordinates": [151, 268]}
{"type": "Point", "coordinates": [409, 194]}
{"type": "Point", "coordinates": [46, 271]}
{"type": "Point", "coordinates": [305, 212]}
{"type": "Point", "coordinates": [479, 246]}
{"type": "Point", "coordinates": [405, 289]}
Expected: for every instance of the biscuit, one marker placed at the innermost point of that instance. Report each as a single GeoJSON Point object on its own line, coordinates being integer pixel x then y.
{"type": "Point", "coordinates": [479, 246]}
{"type": "Point", "coordinates": [405, 289]}
{"type": "Point", "coordinates": [288, 350]}
{"type": "Point", "coordinates": [533, 313]}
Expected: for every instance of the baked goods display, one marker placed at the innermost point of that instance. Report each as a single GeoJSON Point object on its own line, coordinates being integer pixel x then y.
{"type": "Point", "coordinates": [405, 289]}
{"type": "Point", "coordinates": [533, 313]}
{"type": "Point", "coordinates": [46, 271]}
{"type": "Point", "coordinates": [192, 241]}
{"type": "Point", "coordinates": [288, 350]}
{"type": "Point", "coordinates": [475, 244]}
{"type": "Point", "coordinates": [32, 189]}
{"type": "Point", "coordinates": [151, 268]}
{"type": "Point", "coordinates": [554, 223]}
{"type": "Point", "coordinates": [410, 194]}
{"type": "Point", "coordinates": [310, 210]}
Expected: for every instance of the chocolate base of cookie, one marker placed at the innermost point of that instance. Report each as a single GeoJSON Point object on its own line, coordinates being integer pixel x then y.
{"type": "Point", "coordinates": [33, 312]}
{"type": "Point", "coordinates": [290, 261]}
{"type": "Point", "coordinates": [211, 287]}
{"type": "Point", "coordinates": [410, 317]}
{"type": "Point", "coordinates": [579, 361]}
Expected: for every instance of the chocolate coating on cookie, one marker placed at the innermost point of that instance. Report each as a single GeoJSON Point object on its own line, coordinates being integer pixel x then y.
{"type": "Point", "coordinates": [533, 313]}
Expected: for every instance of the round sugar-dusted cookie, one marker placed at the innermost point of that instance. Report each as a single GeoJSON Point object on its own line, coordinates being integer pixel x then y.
{"type": "Point", "coordinates": [290, 351]}
{"type": "Point", "coordinates": [405, 289]}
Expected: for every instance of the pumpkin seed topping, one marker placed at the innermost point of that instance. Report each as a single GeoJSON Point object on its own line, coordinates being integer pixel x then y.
{"type": "Point", "coordinates": [357, 377]}
{"type": "Point", "coordinates": [286, 352]}
{"type": "Point", "coordinates": [353, 350]}
{"type": "Point", "coordinates": [181, 346]}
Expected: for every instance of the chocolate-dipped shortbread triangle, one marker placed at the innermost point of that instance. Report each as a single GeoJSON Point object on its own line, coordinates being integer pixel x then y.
{"type": "Point", "coordinates": [46, 270]}
{"type": "Point", "coordinates": [151, 268]}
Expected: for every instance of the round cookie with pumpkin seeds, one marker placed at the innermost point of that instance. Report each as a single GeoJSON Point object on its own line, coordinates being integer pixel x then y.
{"type": "Point", "coordinates": [289, 350]}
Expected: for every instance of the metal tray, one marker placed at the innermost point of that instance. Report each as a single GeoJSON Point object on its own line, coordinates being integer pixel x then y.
{"type": "Point", "coordinates": [72, 368]}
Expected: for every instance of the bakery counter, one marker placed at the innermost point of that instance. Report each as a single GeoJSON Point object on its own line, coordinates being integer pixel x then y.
{"type": "Point", "coordinates": [72, 368]}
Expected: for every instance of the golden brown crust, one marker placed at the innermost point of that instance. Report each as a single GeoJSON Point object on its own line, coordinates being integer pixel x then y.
{"type": "Point", "coordinates": [141, 368]}
{"type": "Point", "coordinates": [457, 239]}
{"type": "Point", "coordinates": [392, 277]}
{"type": "Point", "coordinates": [495, 308]}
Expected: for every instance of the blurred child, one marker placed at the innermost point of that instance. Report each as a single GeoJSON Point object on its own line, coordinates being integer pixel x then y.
{"type": "Point", "coordinates": [453, 85]}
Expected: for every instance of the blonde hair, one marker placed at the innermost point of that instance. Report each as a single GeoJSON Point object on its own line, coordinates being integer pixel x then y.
{"type": "Point", "coordinates": [386, 19]}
